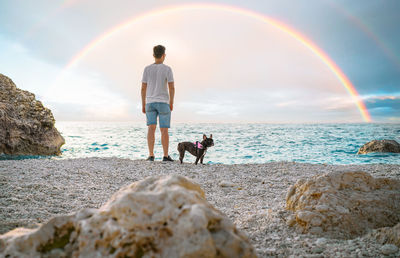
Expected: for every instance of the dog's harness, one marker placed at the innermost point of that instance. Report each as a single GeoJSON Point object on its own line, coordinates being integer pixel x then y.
{"type": "Point", "coordinates": [198, 145]}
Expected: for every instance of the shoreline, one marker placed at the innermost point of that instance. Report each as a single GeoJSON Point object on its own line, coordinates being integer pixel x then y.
{"type": "Point", "coordinates": [7, 157]}
{"type": "Point", "coordinates": [34, 190]}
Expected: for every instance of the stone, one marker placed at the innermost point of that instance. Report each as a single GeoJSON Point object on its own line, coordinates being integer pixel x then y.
{"type": "Point", "coordinates": [316, 221]}
{"type": "Point", "coordinates": [314, 256]}
{"type": "Point", "coordinates": [389, 249]}
{"type": "Point", "coordinates": [26, 126]}
{"type": "Point", "coordinates": [387, 235]}
{"type": "Point", "coordinates": [164, 216]}
{"type": "Point", "coordinates": [227, 184]}
{"type": "Point", "coordinates": [317, 250]}
{"type": "Point", "coordinates": [321, 241]}
{"type": "Point", "coordinates": [380, 146]}
{"type": "Point", "coordinates": [316, 230]}
{"type": "Point", "coordinates": [344, 204]}
{"type": "Point", "coordinates": [291, 220]}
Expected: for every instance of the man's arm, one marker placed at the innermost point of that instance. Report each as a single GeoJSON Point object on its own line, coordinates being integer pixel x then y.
{"type": "Point", "coordinates": [171, 87]}
{"type": "Point", "coordinates": [144, 89]}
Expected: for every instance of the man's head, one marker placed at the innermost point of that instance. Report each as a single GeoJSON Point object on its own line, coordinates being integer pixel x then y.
{"type": "Point", "coordinates": [159, 52]}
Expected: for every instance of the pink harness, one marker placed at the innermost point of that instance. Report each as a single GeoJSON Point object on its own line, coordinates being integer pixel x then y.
{"type": "Point", "coordinates": [198, 145]}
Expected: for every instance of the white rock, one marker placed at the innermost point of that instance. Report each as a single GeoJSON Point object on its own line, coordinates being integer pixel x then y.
{"type": "Point", "coordinates": [317, 250]}
{"type": "Point", "coordinates": [389, 249]}
{"type": "Point", "coordinates": [226, 184]}
{"type": "Point", "coordinates": [316, 230]}
{"type": "Point", "coordinates": [291, 220]}
{"type": "Point", "coordinates": [321, 241]}
{"type": "Point", "coordinates": [322, 208]}
{"type": "Point", "coordinates": [270, 251]}
{"type": "Point", "coordinates": [316, 221]}
{"type": "Point", "coordinates": [305, 216]}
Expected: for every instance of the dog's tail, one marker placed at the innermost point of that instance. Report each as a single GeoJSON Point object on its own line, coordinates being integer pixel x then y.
{"type": "Point", "coordinates": [179, 146]}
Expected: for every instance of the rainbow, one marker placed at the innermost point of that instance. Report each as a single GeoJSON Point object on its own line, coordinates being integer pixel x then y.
{"type": "Point", "coordinates": [368, 32]}
{"type": "Point", "coordinates": [236, 10]}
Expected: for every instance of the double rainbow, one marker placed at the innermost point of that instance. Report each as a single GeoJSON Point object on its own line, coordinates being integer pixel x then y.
{"type": "Point", "coordinates": [277, 24]}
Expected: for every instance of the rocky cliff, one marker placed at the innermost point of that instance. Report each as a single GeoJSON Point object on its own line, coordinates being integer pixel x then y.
{"type": "Point", "coordinates": [26, 126]}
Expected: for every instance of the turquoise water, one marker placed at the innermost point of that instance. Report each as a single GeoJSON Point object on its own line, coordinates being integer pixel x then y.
{"type": "Point", "coordinates": [234, 143]}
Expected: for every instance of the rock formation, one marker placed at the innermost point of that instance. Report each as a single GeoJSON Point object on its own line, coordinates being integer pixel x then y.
{"type": "Point", "coordinates": [344, 204]}
{"type": "Point", "coordinates": [380, 146]}
{"type": "Point", "coordinates": [26, 127]}
{"type": "Point", "coordinates": [156, 217]}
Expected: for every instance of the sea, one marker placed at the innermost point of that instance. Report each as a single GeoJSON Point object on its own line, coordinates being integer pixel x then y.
{"type": "Point", "coordinates": [233, 143]}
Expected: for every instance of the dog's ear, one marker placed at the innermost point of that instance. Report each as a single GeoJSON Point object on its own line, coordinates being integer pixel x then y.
{"type": "Point", "coordinates": [204, 136]}
{"type": "Point", "coordinates": [210, 136]}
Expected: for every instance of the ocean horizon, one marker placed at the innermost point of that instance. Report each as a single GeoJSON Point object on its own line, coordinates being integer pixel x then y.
{"type": "Point", "coordinates": [235, 143]}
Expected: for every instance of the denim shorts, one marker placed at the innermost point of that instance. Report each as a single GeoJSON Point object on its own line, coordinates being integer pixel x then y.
{"type": "Point", "coordinates": [158, 109]}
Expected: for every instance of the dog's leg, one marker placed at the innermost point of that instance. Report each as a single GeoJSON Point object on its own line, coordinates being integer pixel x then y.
{"type": "Point", "coordinates": [181, 150]}
{"type": "Point", "coordinates": [197, 160]}
{"type": "Point", "coordinates": [201, 159]}
{"type": "Point", "coordinates": [181, 155]}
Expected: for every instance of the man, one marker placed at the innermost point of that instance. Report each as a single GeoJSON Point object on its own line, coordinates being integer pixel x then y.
{"type": "Point", "coordinates": [156, 101]}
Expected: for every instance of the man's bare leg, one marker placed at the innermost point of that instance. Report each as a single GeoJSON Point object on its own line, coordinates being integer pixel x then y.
{"type": "Point", "coordinates": [151, 138]}
{"type": "Point", "coordinates": [165, 140]}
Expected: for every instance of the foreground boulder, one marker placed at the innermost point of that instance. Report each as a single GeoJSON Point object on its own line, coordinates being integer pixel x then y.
{"type": "Point", "coordinates": [380, 146]}
{"type": "Point", "coordinates": [26, 127]}
{"type": "Point", "coordinates": [156, 217]}
{"type": "Point", "coordinates": [344, 204]}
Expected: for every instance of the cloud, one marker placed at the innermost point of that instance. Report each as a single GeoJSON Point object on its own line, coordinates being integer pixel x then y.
{"type": "Point", "coordinates": [384, 108]}
{"type": "Point", "coordinates": [88, 96]}
{"type": "Point", "coordinates": [24, 68]}
{"type": "Point", "coordinates": [212, 108]}
{"type": "Point", "coordinates": [377, 97]}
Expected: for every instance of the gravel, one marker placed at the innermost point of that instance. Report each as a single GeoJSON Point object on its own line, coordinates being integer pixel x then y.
{"type": "Point", "coordinates": [251, 195]}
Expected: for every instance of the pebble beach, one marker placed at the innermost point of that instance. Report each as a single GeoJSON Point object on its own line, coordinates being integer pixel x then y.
{"type": "Point", "coordinates": [252, 195]}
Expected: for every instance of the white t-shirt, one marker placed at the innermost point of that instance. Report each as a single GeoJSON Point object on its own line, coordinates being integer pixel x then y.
{"type": "Point", "coordinates": [156, 76]}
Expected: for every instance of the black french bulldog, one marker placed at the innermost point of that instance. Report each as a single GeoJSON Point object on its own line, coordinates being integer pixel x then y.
{"type": "Point", "coordinates": [197, 149]}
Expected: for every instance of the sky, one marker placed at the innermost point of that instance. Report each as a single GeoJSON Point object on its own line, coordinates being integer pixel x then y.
{"type": "Point", "coordinates": [233, 61]}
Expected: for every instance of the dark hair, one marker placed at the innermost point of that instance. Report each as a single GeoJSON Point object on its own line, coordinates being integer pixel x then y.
{"type": "Point", "coordinates": [158, 51]}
